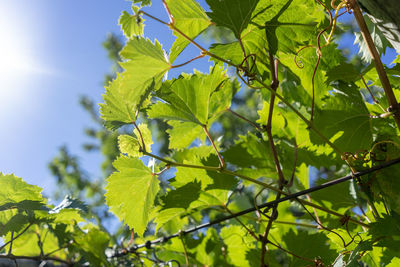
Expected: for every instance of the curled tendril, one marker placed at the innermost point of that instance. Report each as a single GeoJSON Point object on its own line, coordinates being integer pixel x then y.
{"type": "Point", "coordinates": [248, 72]}
{"type": "Point", "coordinates": [298, 61]}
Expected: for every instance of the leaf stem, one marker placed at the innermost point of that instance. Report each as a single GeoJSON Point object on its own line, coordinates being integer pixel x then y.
{"type": "Point", "coordinates": [187, 62]}
{"type": "Point", "coordinates": [221, 160]}
{"type": "Point", "coordinates": [245, 119]}
{"type": "Point", "coordinates": [150, 16]}
{"type": "Point", "coordinates": [177, 164]}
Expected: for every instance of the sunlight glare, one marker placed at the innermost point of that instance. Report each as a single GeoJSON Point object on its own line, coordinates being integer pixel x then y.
{"type": "Point", "coordinates": [18, 65]}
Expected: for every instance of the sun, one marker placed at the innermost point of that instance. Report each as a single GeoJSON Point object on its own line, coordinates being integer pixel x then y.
{"type": "Point", "coordinates": [18, 64]}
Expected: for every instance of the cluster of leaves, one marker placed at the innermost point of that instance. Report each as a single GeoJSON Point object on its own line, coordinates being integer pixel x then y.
{"type": "Point", "coordinates": [234, 141]}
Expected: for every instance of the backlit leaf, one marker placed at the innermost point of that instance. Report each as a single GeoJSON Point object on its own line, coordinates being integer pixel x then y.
{"type": "Point", "coordinates": [131, 192]}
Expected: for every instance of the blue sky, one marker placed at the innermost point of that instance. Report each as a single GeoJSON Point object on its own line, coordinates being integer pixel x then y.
{"type": "Point", "coordinates": [50, 54]}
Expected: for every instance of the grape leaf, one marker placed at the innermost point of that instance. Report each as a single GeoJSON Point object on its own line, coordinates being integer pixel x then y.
{"type": "Point", "coordinates": [131, 25]}
{"type": "Point", "coordinates": [127, 92]}
{"type": "Point", "coordinates": [189, 97]}
{"type": "Point", "coordinates": [93, 244]}
{"type": "Point", "coordinates": [15, 190]}
{"type": "Point", "coordinates": [131, 192]}
{"type": "Point", "coordinates": [288, 24]}
{"type": "Point", "coordinates": [381, 43]}
{"type": "Point", "coordinates": [308, 246]}
{"type": "Point", "coordinates": [238, 242]}
{"type": "Point", "coordinates": [130, 145]}
{"type": "Point", "coordinates": [182, 134]}
{"type": "Point", "coordinates": [116, 111]}
{"type": "Point", "coordinates": [233, 14]}
{"type": "Point", "coordinates": [189, 18]}
{"type": "Point", "coordinates": [345, 112]}
{"type": "Point", "coordinates": [142, 2]}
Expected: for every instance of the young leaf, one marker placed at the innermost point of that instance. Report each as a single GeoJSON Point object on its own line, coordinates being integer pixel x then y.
{"type": "Point", "coordinates": [116, 110]}
{"type": "Point", "coordinates": [127, 93]}
{"type": "Point", "coordinates": [190, 18]}
{"type": "Point", "coordinates": [131, 192]}
{"type": "Point", "coordinates": [131, 25]}
{"type": "Point", "coordinates": [142, 2]}
{"type": "Point", "coordinates": [130, 145]}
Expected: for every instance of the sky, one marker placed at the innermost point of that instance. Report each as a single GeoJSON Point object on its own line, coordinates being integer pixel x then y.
{"type": "Point", "coordinates": [50, 54]}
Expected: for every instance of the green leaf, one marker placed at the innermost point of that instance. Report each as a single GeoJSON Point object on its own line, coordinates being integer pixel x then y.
{"type": "Point", "coordinates": [142, 2]}
{"type": "Point", "coordinates": [15, 223]}
{"type": "Point", "coordinates": [189, 18]}
{"type": "Point", "coordinates": [116, 110]}
{"type": "Point", "coordinates": [238, 242]}
{"type": "Point", "coordinates": [381, 43]}
{"type": "Point", "coordinates": [93, 244]}
{"type": "Point", "coordinates": [188, 97]}
{"type": "Point", "coordinates": [345, 115]}
{"type": "Point", "coordinates": [233, 14]}
{"type": "Point", "coordinates": [182, 134]}
{"type": "Point", "coordinates": [145, 66]}
{"type": "Point", "coordinates": [288, 24]}
{"type": "Point", "coordinates": [131, 25]}
{"type": "Point", "coordinates": [345, 72]}
{"type": "Point", "coordinates": [208, 251]}
{"type": "Point", "coordinates": [130, 145]}
{"type": "Point", "coordinates": [131, 192]}
{"type": "Point", "coordinates": [15, 190]}
{"type": "Point", "coordinates": [309, 246]}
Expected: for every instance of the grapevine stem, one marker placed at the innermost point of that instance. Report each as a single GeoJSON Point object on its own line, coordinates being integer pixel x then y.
{"type": "Point", "coordinates": [150, 16]}
{"type": "Point", "coordinates": [177, 164]}
{"type": "Point", "coordinates": [12, 239]}
{"type": "Point", "coordinates": [187, 62]}
{"type": "Point", "coordinates": [378, 63]}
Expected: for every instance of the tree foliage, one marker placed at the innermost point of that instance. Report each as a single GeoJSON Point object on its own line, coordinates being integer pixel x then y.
{"type": "Point", "coordinates": [280, 110]}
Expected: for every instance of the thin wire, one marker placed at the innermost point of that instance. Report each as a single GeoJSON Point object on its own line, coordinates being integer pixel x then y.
{"type": "Point", "coordinates": [149, 243]}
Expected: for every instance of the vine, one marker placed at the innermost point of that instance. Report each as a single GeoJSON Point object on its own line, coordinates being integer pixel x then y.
{"type": "Point", "coordinates": [235, 137]}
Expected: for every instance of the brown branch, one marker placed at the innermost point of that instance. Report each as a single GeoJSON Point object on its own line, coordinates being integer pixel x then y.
{"type": "Point", "coordinates": [394, 105]}
{"type": "Point", "coordinates": [282, 180]}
